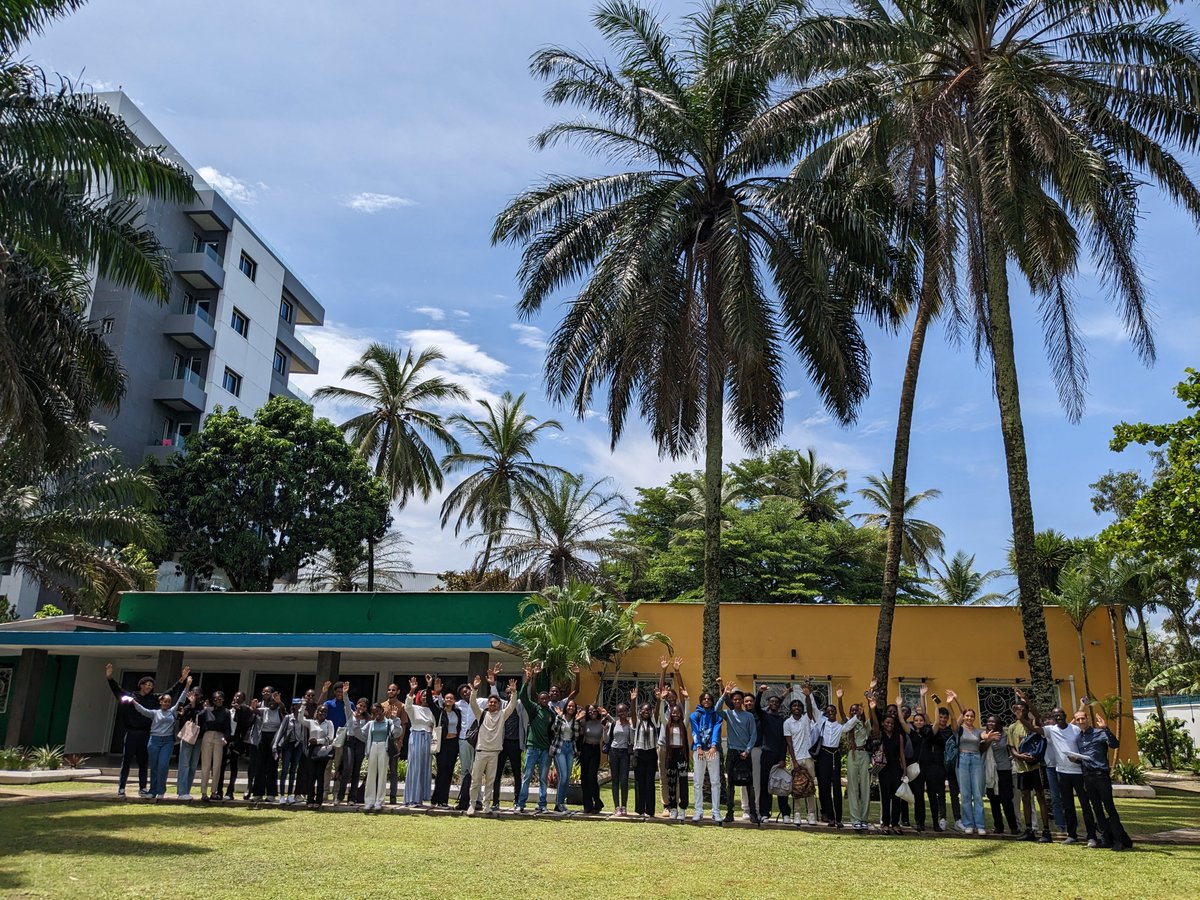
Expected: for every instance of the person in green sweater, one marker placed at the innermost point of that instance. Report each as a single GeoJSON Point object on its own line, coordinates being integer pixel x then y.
{"type": "Point", "coordinates": [537, 744]}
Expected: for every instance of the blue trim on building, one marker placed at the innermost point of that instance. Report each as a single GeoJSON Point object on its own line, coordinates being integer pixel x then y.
{"type": "Point", "coordinates": [1167, 700]}
{"type": "Point", "coordinates": [220, 640]}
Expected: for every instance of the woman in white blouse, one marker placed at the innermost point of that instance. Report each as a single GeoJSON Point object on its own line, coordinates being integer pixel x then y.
{"type": "Point", "coordinates": [418, 778]}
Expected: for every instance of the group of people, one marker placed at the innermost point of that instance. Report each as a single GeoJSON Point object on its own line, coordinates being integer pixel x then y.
{"type": "Point", "coordinates": [731, 742]}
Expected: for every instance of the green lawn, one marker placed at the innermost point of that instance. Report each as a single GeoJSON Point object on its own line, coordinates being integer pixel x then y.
{"type": "Point", "coordinates": [92, 849]}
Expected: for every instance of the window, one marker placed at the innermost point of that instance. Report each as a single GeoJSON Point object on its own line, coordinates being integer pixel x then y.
{"type": "Point", "coordinates": [787, 690]}
{"type": "Point", "coordinates": [279, 363]}
{"type": "Point", "coordinates": [616, 690]}
{"type": "Point", "coordinates": [106, 325]}
{"type": "Point", "coordinates": [286, 310]}
{"type": "Point", "coordinates": [910, 694]}
{"type": "Point", "coordinates": [198, 306]}
{"type": "Point", "coordinates": [232, 382]}
{"type": "Point", "coordinates": [239, 323]}
{"type": "Point", "coordinates": [248, 266]}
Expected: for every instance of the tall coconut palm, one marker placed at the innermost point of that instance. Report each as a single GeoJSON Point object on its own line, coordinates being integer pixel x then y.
{"type": "Point", "coordinates": [814, 484]}
{"type": "Point", "coordinates": [563, 534]}
{"type": "Point", "coordinates": [960, 583]}
{"type": "Point", "coordinates": [72, 177]}
{"type": "Point", "coordinates": [397, 427]}
{"type": "Point", "coordinates": [1041, 120]}
{"type": "Point", "coordinates": [673, 247]}
{"type": "Point", "coordinates": [506, 474]}
{"type": "Point", "coordinates": [920, 539]}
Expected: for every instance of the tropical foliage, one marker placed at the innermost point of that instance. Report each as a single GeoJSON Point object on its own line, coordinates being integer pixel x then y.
{"type": "Point", "coordinates": [958, 582]}
{"type": "Point", "coordinates": [72, 176]}
{"type": "Point", "coordinates": [920, 540]}
{"type": "Point", "coordinates": [258, 497]}
{"type": "Point", "coordinates": [384, 570]}
{"type": "Point", "coordinates": [673, 249]}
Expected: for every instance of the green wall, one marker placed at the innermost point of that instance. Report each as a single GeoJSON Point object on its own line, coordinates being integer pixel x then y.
{"type": "Point", "coordinates": [307, 613]}
{"type": "Point", "coordinates": [54, 699]}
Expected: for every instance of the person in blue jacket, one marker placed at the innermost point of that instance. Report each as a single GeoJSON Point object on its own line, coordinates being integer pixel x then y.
{"type": "Point", "coordinates": [706, 755]}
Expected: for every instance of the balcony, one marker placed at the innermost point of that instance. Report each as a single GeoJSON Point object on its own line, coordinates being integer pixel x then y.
{"type": "Point", "coordinates": [304, 354]}
{"type": "Point", "coordinates": [203, 269]}
{"type": "Point", "coordinates": [211, 212]}
{"type": "Point", "coordinates": [161, 449]}
{"type": "Point", "coordinates": [195, 330]}
{"type": "Point", "coordinates": [182, 390]}
{"type": "Point", "coordinates": [303, 396]}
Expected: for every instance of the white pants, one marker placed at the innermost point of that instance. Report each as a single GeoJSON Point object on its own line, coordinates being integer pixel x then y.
{"type": "Point", "coordinates": [377, 775]}
{"type": "Point", "coordinates": [702, 763]}
{"type": "Point", "coordinates": [810, 802]}
{"type": "Point", "coordinates": [483, 774]}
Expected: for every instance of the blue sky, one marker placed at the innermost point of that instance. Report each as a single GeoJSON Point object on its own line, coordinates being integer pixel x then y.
{"type": "Point", "coordinates": [373, 143]}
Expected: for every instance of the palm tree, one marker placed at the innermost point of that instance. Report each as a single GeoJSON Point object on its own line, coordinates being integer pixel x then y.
{"type": "Point", "coordinates": [672, 249]}
{"type": "Point", "coordinates": [72, 176]}
{"type": "Point", "coordinates": [1078, 597]}
{"type": "Point", "coordinates": [1038, 138]}
{"type": "Point", "coordinates": [563, 535]}
{"type": "Point", "coordinates": [921, 539]}
{"type": "Point", "coordinates": [959, 583]}
{"type": "Point", "coordinates": [695, 514]}
{"type": "Point", "coordinates": [1147, 580]}
{"type": "Point", "coordinates": [397, 427]}
{"type": "Point", "coordinates": [506, 473]}
{"type": "Point", "coordinates": [815, 485]}
{"type": "Point", "coordinates": [388, 564]}
{"type": "Point", "coordinates": [55, 524]}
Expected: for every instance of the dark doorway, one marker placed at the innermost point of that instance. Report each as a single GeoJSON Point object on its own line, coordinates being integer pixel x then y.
{"type": "Point", "coordinates": [128, 682]}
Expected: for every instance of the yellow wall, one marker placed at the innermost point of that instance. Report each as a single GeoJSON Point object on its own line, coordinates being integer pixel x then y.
{"type": "Point", "coordinates": [949, 646]}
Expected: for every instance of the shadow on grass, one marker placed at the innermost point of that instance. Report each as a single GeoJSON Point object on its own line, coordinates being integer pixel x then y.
{"type": "Point", "coordinates": [130, 834]}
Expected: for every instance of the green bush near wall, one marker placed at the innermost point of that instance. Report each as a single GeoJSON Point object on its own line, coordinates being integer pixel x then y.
{"type": "Point", "coordinates": [290, 612]}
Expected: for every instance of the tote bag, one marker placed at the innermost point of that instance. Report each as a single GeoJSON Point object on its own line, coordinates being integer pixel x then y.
{"type": "Point", "coordinates": [190, 732]}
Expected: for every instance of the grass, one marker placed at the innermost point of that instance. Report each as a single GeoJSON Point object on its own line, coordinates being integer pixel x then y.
{"type": "Point", "coordinates": [96, 850]}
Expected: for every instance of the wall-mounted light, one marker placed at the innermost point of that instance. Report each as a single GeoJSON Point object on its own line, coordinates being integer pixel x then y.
{"type": "Point", "coordinates": [793, 653]}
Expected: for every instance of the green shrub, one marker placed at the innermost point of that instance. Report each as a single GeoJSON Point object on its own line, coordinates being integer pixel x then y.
{"type": "Point", "coordinates": [1150, 741]}
{"type": "Point", "coordinates": [14, 758]}
{"type": "Point", "coordinates": [47, 611]}
{"type": "Point", "coordinates": [46, 757]}
{"type": "Point", "coordinates": [1129, 772]}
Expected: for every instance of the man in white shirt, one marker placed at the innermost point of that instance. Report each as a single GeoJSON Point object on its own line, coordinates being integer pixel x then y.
{"type": "Point", "coordinates": [466, 753]}
{"type": "Point", "coordinates": [799, 730]}
{"type": "Point", "coordinates": [1063, 736]}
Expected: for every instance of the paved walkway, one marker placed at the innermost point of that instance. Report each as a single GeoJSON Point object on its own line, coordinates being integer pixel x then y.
{"type": "Point", "coordinates": [1176, 781]}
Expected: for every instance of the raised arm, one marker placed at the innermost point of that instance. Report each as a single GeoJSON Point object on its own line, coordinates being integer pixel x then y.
{"type": "Point", "coordinates": [841, 710]}
{"type": "Point", "coordinates": [874, 715]}
{"type": "Point", "coordinates": [809, 708]}
{"type": "Point", "coordinates": [324, 692]}
{"type": "Point", "coordinates": [952, 697]}
{"type": "Point", "coordinates": [675, 664]}
{"type": "Point", "coordinates": [117, 690]}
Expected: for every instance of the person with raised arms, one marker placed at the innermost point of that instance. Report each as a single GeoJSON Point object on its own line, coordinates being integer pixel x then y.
{"type": "Point", "coordinates": [489, 738]}
{"type": "Point", "coordinates": [800, 728]}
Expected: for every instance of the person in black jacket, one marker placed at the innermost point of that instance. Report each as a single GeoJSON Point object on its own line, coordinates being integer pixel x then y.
{"type": "Point", "coordinates": [216, 726]}
{"type": "Point", "coordinates": [137, 726]}
{"type": "Point", "coordinates": [242, 720]}
{"type": "Point", "coordinates": [774, 752]}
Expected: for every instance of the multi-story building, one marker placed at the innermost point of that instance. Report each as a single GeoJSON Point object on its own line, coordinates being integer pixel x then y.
{"type": "Point", "coordinates": [228, 336]}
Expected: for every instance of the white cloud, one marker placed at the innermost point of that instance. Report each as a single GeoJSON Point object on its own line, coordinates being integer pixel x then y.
{"type": "Point", "coordinates": [232, 187]}
{"type": "Point", "coordinates": [370, 202]}
{"type": "Point", "coordinates": [791, 395]}
{"type": "Point", "coordinates": [432, 311]}
{"type": "Point", "coordinates": [461, 313]}
{"type": "Point", "coordinates": [530, 336]}
{"type": "Point", "coordinates": [1103, 327]}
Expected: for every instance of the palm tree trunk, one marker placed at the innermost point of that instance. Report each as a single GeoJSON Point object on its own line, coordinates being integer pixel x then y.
{"type": "Point", "coordinates": [908, 397]}
{"type": "Point", "coordinates": [1004, 364]}
{"type": "Point", "coordinates": [1158, 707]}
{"type": "Point", "coordinates": [380, 468]}
{"type": "Point", "coordinates": [487, 556]}
{"type": "Point", "coordinates": [1116, 634]}
{"type": "Point", "coordinates": [1087, 687]}
{"type": "Point", "coordinates": [714, 421]}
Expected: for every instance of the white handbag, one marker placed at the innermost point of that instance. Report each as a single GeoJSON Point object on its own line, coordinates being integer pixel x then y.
{"type": "Point", "coordinates": [904, 792]}
{"type": "Point", "coordinates": [339, 739]}
{"type": "Point", "coordinates": [913, 772]}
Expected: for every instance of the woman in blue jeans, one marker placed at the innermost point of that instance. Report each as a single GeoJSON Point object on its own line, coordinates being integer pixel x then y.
{"type": "Point", "coordinates": [562, 750]}
{"type": "Point", "coordinates": [970, 767]}
{"type": "Point", "coordinates": [189, 754]}
{"type": "Point", "coordinates": [162, 736]}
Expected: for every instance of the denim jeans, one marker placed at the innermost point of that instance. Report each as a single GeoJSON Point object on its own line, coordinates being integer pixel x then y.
{"type": "Point", "coordinates": [563, 761]}
{"type": "Point", "coordinates": [970, 782]}
{"type": "Point", "coordinates": [538, 758]}
{"type": "Point", "coordinates": [1056, 804]}
{"type": "Point", "coordinates": [189, 757]}
{"type": "Point", "coordinates": [160, 761]}
{"type": "Point", "coordinates": [289, 757]}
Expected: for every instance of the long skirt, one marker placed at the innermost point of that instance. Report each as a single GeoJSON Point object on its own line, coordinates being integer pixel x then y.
{"type": "Point", "coordinates": [418, 777]}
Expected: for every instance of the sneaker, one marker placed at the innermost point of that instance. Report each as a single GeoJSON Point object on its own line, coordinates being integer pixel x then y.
{"type": "Point", "coordinates": [291, 798]}
{"type": "Point", "coordinates": [812, 818]}
{"type": "Point", "coordinates": [558, 810]}
{"type": "Point", "coordinates": [958, 825]}
{"type": "Point", "coordinates": [1029, 835]}
{"type": "Point", "coordinates": [120, 792]}
{"type": "Point", "coordinates": [470, 810]}
{"type": "Point", "coordinates": [1045, 838]}
{"type": "Point", "coordinates": [518, 809]}
{"type": "Point", "coordinates": [1071, 840]}
{"type": "Point", "coordinates": [696, 816]}
{"type": "Point", "coordinates": [281, 801]}
{"type": "Point", "coordinates": [745, 817]}
{"type": "Point", "coordinates": [716, 817]}
{"type": "Point", "coordinates": [728, 816]}
{"type": "Point", "coordinates": [1091, 844]}
{"type": "Point", "coordinates": [143, 793]}
{"type": "Point", "coordinates": [942, 824]}
{"type": "Point", "coordinates": [787, 820]}
{"type": "Point", "coordinates": [981, 831]}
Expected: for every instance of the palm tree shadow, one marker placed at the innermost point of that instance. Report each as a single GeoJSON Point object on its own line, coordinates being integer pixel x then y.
{"type": "Point", "coordinates": [140, 838]}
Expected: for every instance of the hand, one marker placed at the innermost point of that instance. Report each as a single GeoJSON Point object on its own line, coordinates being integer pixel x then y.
{"type": "Point", "coordinates": [491, 677]}
{"type": "Point", "coordinates": [108, 670]}
{"type": "Point", "coordinates": [437, 684]}
{"type": "Point", "coordinates": [478, 681]}
{"type": "Point", "coordinates": [537, 668]}
{"type": "Point", "coordinates": [428, 680]}
{"type": "Point", "coordinates": [729, 688]}
{"type": "Point", "coordinates": [603, 713]}
{"type": "Point", "coordinates": [871, 686]}
{"type": "Point", "coordinates": [326, 686]}
{"type": "Point", "coordinates": [745, 755]}
{"type": "Point", "coordinates": [663, 663]}
{"type": "Point", "coordinates": [498, 667]}
{"type": "Point", "coordinates": [633, 695]}
{"type": "Point", "coordinates": [871, 701]}
{"type": "Point", "coordinates": [762, 688]}
{"type": "Point", "coordinates": [278, 699]}
{"type": "Point", "coordinates": [1017, 691]}
{"type": "Point", "coordinates": [345, 689]}
{"type": "Point", "coordinates": [839, 693]}
{"type": "Point", "coordinates": [806, 688]}
{"type": "Point", "coordinates": [512, 685]}
{"type": "Point", "coordinates": [683, 693]}
{"type": "Point", "coordinates": [658, 692]}
{"type": "Point", "coordinates": [184, 672]}
{"type": "Point", "coordinates": [254, 703]}
{"type": "Point", "coordinates": [924, 690]}
{"type": "Point", "coordinates": [412, 683]}
{"type": "Point", "coordinates": [1101, 722]}
{"type": "Point", "coordinates": [951, 696]}
{"type": "Point", "coordinates": [187, 684]}
{"type": "Point", "coordinates": [677, 662]}
{"type": "Point", "coordinates": [899, 701]}
{"type": "Point", "coordinates": [574, 667]}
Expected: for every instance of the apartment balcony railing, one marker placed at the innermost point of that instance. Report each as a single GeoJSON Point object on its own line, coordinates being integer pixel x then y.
{"type": "Point", "coordinates": [182, 389]}
{"type": "Point", "coordinates": [194, 329]}
{"type": "Point", "coordinates": [201, 267]}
